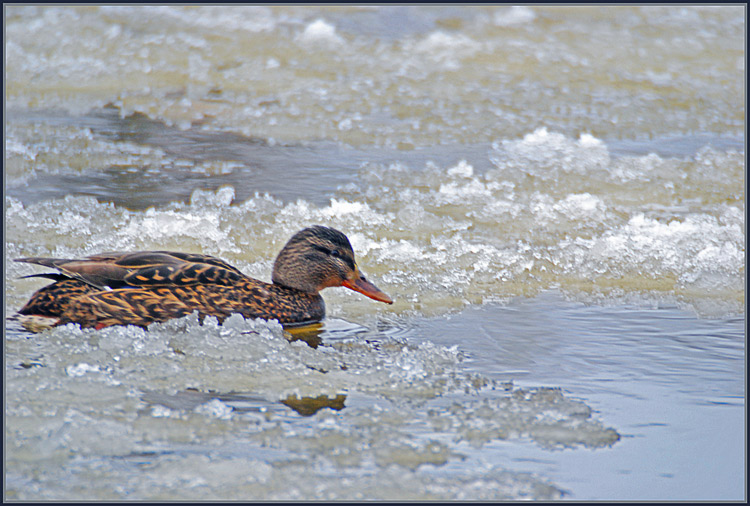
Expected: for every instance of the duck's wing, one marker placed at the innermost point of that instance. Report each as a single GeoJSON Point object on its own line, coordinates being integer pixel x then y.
{"type": "Point", "coordinates": [200, 259]}
{"type": "Point", "coordinates": [145, 268]}
{"type": "Point", "coordinates": [100, 271]}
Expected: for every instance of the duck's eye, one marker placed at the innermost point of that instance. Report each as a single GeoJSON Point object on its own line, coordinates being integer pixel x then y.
{"type": "Point", "coordinates": [335, 253]}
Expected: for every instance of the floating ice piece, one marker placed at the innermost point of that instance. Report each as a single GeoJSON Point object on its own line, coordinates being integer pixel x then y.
{"type": "Point", "coordinates": [159, 411]}
{"type": "Point", "coordinates": [320, 31]}
{"type": "Point", "coordinates": [546, 154]}
{"type": "Point", "coordinates": [216, 409]}
{"type": "Point", "coordinates": [516, 15]}
{"type": "Point", "coordinates": [220, 198]}
{"type": "Point", "coordinates": [588, 140]}
{"type": "Point", "coordinates": [463, 169]}
{"type": "Point", "coordinates": [159, 225]}
{"type": "Point", "coordinates": [581, 206]}
{"type": "Point", "coordinates": [246, 18]}
{"type": "Point", "coordinates": [438, 42]}
{"type": "Point", "coordinates": [15, 147]}
{"type": "Point", "coordinates": [81, 369]}
{"type": "Point", "coordinates": [447, 48]}
{"type": "Point", "coordinates": [339, 207]}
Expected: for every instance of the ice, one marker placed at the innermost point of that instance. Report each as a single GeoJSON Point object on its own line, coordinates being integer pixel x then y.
{"type": "Point", "coordinates": [245, 18]}
{"type": "Point", "coordinates": [159, 411]}
{"type": "Point", "coordinates": [339, 207]}
{"type": "Point", "coordinates": [674, 247]}
{"type": "Point", "coordinates": [320, 31]}
{"type": "Point", "coordinates": [515, 15]}
{"type": "Point", "coordinates": [48, 149]}
{"type": "Point", "coordinates": [81, 369]}
{"type": "Point", "coordinates": [446, 46]}
{"type": "Point", "coordinates": [463, 169]}
{"type": "Point", "coordinates": [412, 457]}
{"type": "Point", "coordinates": [581, 207]}
{"type": "Point", "coordinates": [216, 409]}
{"type": "Point", "coordinates": [158, 225]}
{"type": "Point", "coordinates": [220, 198]}
{"type": "Point", "coordinates": [14, 147]}
{"type": "Point", "coordinates": [545, 154]}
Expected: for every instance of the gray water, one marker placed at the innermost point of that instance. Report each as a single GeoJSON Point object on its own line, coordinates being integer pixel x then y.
{"type": "Point", "coordinates": [554, 197]}
{"type": "Point", "coordinates": [674, 384]}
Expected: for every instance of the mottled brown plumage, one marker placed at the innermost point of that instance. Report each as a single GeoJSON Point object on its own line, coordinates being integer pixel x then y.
{"type": "Point", "coordinates": [155, 286]}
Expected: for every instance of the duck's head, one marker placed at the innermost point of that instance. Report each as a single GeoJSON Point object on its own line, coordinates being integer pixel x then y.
{"type": "Point", "coordinates": [319, 257]}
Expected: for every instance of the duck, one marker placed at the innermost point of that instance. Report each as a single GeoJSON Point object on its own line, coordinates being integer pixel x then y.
{"type": "Point", "coordinates": [144, 287]}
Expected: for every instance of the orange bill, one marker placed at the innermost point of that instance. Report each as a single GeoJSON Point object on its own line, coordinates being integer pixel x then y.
{"type": "Point", "coordinates": [361, 285]}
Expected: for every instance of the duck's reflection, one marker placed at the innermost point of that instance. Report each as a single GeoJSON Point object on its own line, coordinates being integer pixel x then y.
{"type": "Point", "coordinates": [311, 333]}
{"type": "Point", "coordinates": [308, 406]}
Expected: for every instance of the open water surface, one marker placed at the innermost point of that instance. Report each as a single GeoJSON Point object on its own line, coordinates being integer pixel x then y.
{"type": "Point", "coordinates": [554, 196]}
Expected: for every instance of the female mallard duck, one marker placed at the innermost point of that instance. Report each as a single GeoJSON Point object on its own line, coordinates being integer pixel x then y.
{"type": "Point", "coordinates": [155, 286]}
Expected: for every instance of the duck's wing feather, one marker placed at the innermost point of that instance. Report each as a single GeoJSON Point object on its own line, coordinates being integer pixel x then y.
{"type": "Point", "coordinates": [187, 273]}
{"type": "Point", "coordinates": [146, 268]}
{"type": "Point", "coordinates": [198, 258]}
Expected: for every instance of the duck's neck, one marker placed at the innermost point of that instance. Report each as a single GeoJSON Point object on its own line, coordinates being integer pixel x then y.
{"type": "Point", "coordinates": [294, 279]}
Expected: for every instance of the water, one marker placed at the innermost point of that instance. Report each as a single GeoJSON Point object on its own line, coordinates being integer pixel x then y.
{"type": "Point", "coordinates": [673, 383]}
{"type": "Point", "coordinates": [553, 195]}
